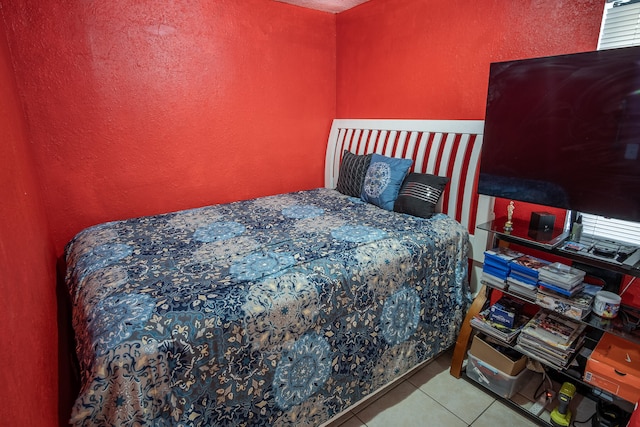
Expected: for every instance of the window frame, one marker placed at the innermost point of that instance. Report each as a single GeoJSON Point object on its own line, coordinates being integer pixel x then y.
{"type": "Point", "coordinates": [620, 28]}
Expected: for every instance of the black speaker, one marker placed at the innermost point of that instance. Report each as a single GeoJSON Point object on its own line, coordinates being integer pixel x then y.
{"type": "Point", "coordinates": [542, 221]}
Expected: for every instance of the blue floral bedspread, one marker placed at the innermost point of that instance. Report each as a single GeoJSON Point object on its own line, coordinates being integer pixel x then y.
{"type": "Point", "coordinates": [282, 310]}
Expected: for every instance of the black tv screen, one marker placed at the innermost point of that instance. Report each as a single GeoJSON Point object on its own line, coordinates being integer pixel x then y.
{"type": "Point", "coordinates": [564, 131]}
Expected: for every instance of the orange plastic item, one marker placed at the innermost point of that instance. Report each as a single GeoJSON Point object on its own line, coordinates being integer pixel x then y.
{"type": "Point", "coordinates": [614, 366]}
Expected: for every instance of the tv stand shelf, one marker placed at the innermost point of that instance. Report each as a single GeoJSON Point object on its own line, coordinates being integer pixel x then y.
{"type": "Point", "coordinates": [552, 242]}
{"type": "Point", "coordinates": [614, 326]}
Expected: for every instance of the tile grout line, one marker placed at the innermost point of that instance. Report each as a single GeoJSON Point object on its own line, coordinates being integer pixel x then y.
{"type": "Point", "coordinates": [483, 411]}
{"type": "Point", "coordinates": [447, 409]}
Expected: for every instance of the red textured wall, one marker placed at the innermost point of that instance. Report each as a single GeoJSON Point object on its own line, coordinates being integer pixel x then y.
{"type": "Point", "coordinates": [430, 60]}
{"type": "Point", "coordinates": [427, 59]}
{"type": "Point", "coordinates": [28, 335]}
{"type": "Point", "coordinates": [132, 108]}
{"type": "Point", "coordinates": [144, 107]}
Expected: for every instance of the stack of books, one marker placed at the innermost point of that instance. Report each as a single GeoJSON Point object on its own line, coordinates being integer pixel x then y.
{"type": "Point", "coordinates": [551, 338]}
{"type": "Point", "coordinates": [561, 278]}
{"type": "Point", "coordinates": [496, 266]}
{"type": "Point", "coordinates": [483, 323]}
{"type": "Point", "coordinates": [524, 275]}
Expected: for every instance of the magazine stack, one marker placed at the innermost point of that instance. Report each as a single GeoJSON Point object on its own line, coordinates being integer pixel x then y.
{"type": "Point", "coordinates": [577, 307]}
{"type": "Point", "coordinates": [524, 275]}
{"type": "Point", "coordinates": [496, 266]}
{"type": "Point", "coordinates": [483, 323]}
{"type": "Point", "coordinates": [561, 278]}
{"type": "Point", "coordinates": [551, 338]}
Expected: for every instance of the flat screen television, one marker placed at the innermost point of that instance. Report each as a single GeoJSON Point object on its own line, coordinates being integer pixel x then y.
{"type": "Point", "coordinates": [564, 131]}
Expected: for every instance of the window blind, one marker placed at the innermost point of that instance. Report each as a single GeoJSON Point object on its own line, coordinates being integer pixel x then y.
{"type": "Point", "coordinates": [622, 231]}
{"type": "Point", "coordinates": [620, 25]}
{"type": "Point", "coordinates": [620, 28]}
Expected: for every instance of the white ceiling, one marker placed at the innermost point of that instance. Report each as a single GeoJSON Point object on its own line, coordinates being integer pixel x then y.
{"type": "Point", "coordinates": [333, 6]}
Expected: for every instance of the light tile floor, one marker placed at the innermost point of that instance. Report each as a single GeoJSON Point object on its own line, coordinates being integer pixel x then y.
{"type": "Point", "coordinates": [432, 397]}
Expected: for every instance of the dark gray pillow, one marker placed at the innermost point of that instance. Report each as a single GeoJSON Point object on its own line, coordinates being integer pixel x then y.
{"type": "Point", "coordinates": [353, 169]}
{"type": "Point", "coordinates": [419, 194]}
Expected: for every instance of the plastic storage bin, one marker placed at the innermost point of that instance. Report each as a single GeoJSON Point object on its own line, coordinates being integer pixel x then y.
{"type": "Point", "coordinates": [494, 379]}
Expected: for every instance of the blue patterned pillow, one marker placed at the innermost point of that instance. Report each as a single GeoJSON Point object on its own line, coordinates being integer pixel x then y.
{"type": "Point", "coordinates": [383, 180]}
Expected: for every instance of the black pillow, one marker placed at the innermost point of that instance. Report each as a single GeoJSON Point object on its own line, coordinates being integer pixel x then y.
{"type": "Point", "coordinates": [419, 194]}
{"type": "Point", "coordinates": [353, 169]}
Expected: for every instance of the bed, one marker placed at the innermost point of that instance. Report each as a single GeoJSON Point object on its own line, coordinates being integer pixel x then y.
{"type": "Point", "coordinates": [283, 310]}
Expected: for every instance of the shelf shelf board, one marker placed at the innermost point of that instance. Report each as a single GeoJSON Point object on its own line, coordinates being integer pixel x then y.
{"type": "Point", "coordinates": [551, 242]}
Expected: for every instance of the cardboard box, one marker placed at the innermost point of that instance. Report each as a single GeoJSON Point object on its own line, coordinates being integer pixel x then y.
{"type": "Point", "coordinates": [488, 354]}
{"type": "Point", "coordinates": [497, 381]}
{"type": "Point", "coordinates": [614, 366]}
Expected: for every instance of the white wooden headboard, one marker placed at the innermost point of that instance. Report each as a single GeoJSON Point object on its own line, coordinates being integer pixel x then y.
{"type": "Point", "coordinates": [440, 147]}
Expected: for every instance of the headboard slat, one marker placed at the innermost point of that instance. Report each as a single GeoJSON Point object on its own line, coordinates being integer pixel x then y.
{"type": "Point", "coordinates": [434, 154]}
{"type": "Point", "coordinates": [390, 143]}
{"type": "Point", "coordinates": [411, 146]}
{"type": "Point", "coordinates": [420, 155]}
{"type": "Point", "coordinates": [382, 138]}
{"type": "Point", "coordinates": [355, 139]}
{"type": "Point", "coordinates": [400, 144]}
